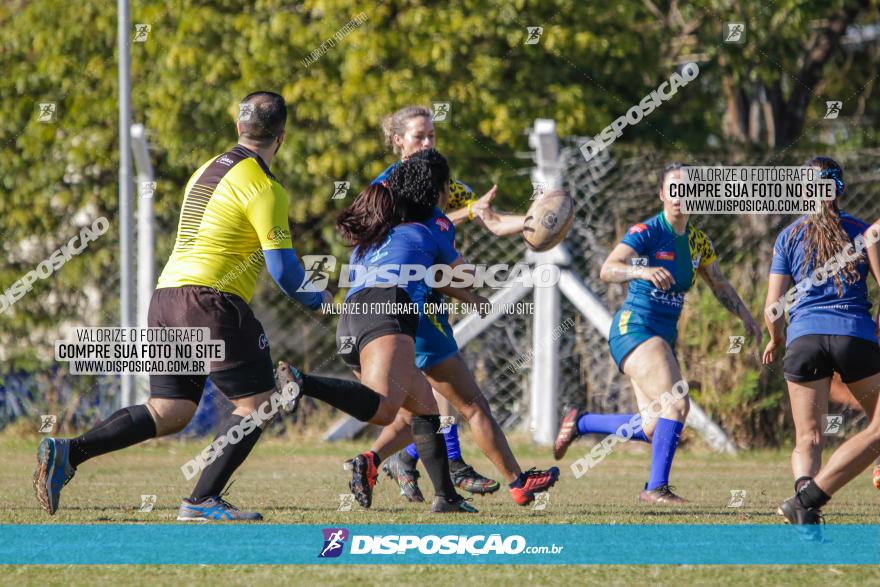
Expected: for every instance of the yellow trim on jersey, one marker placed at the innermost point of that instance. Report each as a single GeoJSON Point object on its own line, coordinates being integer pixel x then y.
{"type": "Point", "coordinates": [702, 251]}
{"type": "Point", "coordinates": [460, 195]}
{"type": "Point", "coordinates": [232, 211]}
{"type": "Point", "coordinates": [623, 323]}
{"type": "Point", "coordinates": [433, 319]}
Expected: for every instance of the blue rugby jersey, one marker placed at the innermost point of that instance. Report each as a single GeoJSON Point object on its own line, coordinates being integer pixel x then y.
{"type": "Point", "coordinates": [412, 243]}
{"type": "Point", "coordinates": [659, 245]}
{"type": "Point", "coordinates": [459, 195]}
{"type": "Point", "coordinates": [821, 310]}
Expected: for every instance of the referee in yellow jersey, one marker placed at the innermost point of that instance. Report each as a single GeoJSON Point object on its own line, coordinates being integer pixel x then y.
{"type": "Point", "coordinates": [234, 217]}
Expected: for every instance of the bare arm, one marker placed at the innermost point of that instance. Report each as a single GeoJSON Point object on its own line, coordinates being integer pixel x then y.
{"type": "Point", "coordinates": [874, 264]}
{"type": "Point", "coordinates": [726, 294]}
{"type": "Point", "coordinates": [502, 224]}
{"type": "Point", "coordinates": [874, 257]}
{"type": "Point", "coordinates": [473, 209]}
{"type": "Point", "coordinates": [481, 210]}
{"type": "Point", "coordinates": [774, 316]}
{"type": "Point", "coordinates": [465, 294]}
{"type": "Point", "coordinates": [459, 216]}
{"type": "Point", "coordinates": [619, 268]}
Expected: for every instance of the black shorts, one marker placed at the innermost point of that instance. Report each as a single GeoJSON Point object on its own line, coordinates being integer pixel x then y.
{"type": "Point", "coordinates": [358, 326]}
{"type": "Point", "coordinates": [247, 366]}
{"type": "Point", "coordinates": [817, 356]}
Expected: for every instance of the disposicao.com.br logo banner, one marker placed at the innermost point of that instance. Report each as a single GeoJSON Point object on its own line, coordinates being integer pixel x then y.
{"type": "Point", "coordinates": [473, 543]}
{"type": "Point", "coordinates": [436, 544]}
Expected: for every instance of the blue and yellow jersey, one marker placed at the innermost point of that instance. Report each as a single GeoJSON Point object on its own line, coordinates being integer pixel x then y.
{"type": "Point", "coordinates": [233, 208]}
{"type": "Point", "coordinates": [657, 245]}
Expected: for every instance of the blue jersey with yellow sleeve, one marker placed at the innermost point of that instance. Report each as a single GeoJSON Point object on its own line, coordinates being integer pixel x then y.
{"type": "Point", "coordinates": [658, 245]}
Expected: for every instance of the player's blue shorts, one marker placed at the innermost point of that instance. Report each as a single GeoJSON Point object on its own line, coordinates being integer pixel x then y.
{"type": "Point", "coordinates": [434, 340]}
{"type": "Point", "coordinates": [629, 329]}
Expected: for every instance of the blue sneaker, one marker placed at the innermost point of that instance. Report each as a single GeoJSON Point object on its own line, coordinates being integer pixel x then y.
{"type": "Point", "coordinates": [53, 472]}
{"type": "Point", "coordinates": [213, 509]}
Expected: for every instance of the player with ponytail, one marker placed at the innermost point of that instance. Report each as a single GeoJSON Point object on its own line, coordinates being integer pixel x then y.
{"type": "Point", "coordinates": [828, 254]}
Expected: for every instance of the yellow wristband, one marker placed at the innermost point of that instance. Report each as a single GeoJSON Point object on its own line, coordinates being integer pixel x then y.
{"type": "Point", "coordinates": [471, 210]}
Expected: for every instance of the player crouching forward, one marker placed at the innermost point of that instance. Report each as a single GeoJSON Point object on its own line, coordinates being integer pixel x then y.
{"type": "Point", "coordinates": [659, 258]}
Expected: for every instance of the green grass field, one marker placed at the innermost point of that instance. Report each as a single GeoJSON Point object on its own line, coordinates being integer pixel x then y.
{"type": "Point", "coordinates": [299, 481]}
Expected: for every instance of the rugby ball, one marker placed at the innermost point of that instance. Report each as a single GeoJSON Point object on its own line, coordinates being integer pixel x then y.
{"type": "Point", "coordinates": [548, 220]}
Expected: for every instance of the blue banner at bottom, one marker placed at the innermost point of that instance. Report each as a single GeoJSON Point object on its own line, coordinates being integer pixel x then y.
{"type": "Point", "coordinates": [90, 544]}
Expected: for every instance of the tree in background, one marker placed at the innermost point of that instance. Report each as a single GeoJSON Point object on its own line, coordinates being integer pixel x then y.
{"type": "Point", "coordinates": [590, 64]}
{"type": "Point", "coordinates": [792, 56]}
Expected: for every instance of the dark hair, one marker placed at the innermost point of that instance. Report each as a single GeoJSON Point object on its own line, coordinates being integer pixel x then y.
{"type": "Point", "coordinates": [369, 219]}
{"type": "Point", "coordinates": [824, 236]}
{"type": "Point", "coordinates": [417, 183]}
{"type": "Point", "coordinates": [262, 116]}
{"type": "Point", "coordinates": [675, 166]}
{"type": "Point", "coordinates": [829, 169]}
{"type": "Point", "coordinates": [409, 195]}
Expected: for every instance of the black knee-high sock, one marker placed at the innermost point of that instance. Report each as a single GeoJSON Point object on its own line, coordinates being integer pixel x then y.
{"type": "Point", "coordinates": [215, 476]}
{"type": "Point", "coordinates": [123, 428]}
{"type": "Point", "coordinates": [352, 397]}
{"type": "Point", "coordinates": [432, 450]}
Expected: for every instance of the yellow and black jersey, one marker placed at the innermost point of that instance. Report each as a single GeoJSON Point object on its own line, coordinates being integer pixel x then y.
{"type": "Point", "coordinates": [233, 209]}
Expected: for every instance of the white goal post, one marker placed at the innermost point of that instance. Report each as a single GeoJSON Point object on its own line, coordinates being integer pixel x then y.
{"type": "Point", "coordinates": [545, 377]}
